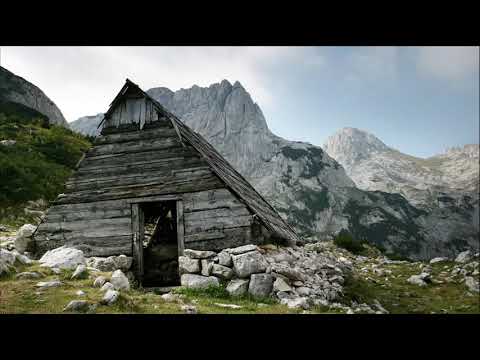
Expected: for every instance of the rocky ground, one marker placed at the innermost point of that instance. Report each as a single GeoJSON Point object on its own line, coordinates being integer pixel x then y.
{"type": "Point", "coordinates": [315, 278]}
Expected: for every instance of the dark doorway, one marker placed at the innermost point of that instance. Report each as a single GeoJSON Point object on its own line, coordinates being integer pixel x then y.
{"type": "Point", "coordinates": [160, 244]}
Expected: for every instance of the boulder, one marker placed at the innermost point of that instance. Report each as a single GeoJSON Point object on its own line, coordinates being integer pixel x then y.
{"type": "Point", "coordinates": [111, 263]}
{"type": "Point", "coordinates": [80, 272]}
{"type": "Point", "coordinates": [99, 281]}
{"type": "Point", "coordinates": [249, 263]}
{"type": "Point", "coordinates": [63, 258]}
{"type": "Point", "coordinates": [110, 297]}
{"type": "Point", "coordinates": [281, 285]}
{"type": "Point", "coordinates": [438, 259]}
{"type": "Point", "coordinates": [242, 249]}
{"type": "Point", "coordinates": [416, 280]}
{"type": "Point", "coordinates": [261, 285]}
{"type": "Point", "coordinates": [23, 239]}
{"type": "Point", "coordinates": [222, 272]}
{"type": "Point", "coordinates": [198, 281]}
{"type": "Point", "coordinates": [464, 257]}
{"type": "Point", "coordinates": [120, 281]}
{"type": "Point", "coordinates": [472, 284]}
{"type": "Point", "coordinates": [77, 305]}
{"type": "Point", "coordinates": [187, 265]}
{"type": "Point", "coordinates": [7, 257]}
{"type": "Point", "coordinates": [225, 259]}
{"type": "Point", "coordinates": [288, 271]}
{"type": "Point", "coordinates": [303, 291]}
{"type": "Point", "coordinates": [238, 287]}
{"type": "Point", "coordinates": [189, 309]}
{"type": "Point", "coordinates": [199, 254]}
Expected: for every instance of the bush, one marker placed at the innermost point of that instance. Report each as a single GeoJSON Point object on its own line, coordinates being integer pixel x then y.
{"type": "Point", "coordinates": [346, 241]}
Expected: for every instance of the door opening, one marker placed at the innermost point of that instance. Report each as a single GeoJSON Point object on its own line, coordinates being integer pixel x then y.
{"type": "Point", "coordinates": [159, 244]}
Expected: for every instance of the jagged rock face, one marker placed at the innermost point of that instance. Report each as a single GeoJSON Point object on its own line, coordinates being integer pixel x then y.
{"type": "Point", "coordinates": [18, 90]}
{"type": "Point", "coordinates": [374, 166]}
{"type": "Point", "coordinates": [308, 188]}
{"type": "Point", "coordinates": [87, 125]}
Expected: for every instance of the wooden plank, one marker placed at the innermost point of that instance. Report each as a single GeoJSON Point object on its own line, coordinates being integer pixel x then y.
{"type": "Point", "coordinates": [154, 199]}
{"type": "Point", "coordinates": [147, 178]}
{"type": "Point", "coordinates": [97, 227]}
{"type": "Point", "coordinates": [87, 215]}
{"type": "Point", "coordinates": [180, 227]}
{"type": "Point", "coordinates": [176, 186]}
{"type": "Point", "coordinates": [93, 206]}
{"type": "Point", "coordinates": [131, 146]}
{"type": "Point", "coordinates": [210, 200]}
{"type": "Point", "coordinates": [193, 226]}
{"type": "Point", "coordinates": [137, 244]}
{"type": "Point", "coordinates": [208, 214]}
{"type": "Point", "coordinates": [232, 238]}
{"type": "Point", "coordinates": [136, 135]}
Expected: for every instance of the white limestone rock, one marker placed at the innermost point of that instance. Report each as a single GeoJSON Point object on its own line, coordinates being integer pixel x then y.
{"type": "Point", "coordinates": [199, 254]}
{"type": "Point", "coordinates": [464, 257]}
{"type": "Point", "coordinates": [119, 280]}
{"type": "Point", "coordinates": [261, 285]}
{"type": "Point", "coordinates": [238, 287]}
{"type": "Point", "coordinates": [222, 272]}
{"type": "Point", "coordinates": [80, 272]}
{"type": "Point", "coordinates": [249, 263]}
{"type": "Point", "coordinates": [77, 306]}
{"type": "Point", "coordinates": [110, 297]}
{"type": "Point", "coordinates": [99, 281]}
{"type": "Point", "coordinates": [63, 258]}
{"type": "Point", "coordinates": [198, 281]}
{"type": "Point", "coordinates": [23, 239]}
{"type": "Point", "coordinates": [188, 265]}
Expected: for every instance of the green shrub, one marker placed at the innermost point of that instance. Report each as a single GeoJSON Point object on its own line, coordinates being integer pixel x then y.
{"type": "Point", "coordinates": [346, 241]}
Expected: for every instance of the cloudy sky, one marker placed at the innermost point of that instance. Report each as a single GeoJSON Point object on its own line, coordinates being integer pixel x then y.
{"type": "Point", "coordinates": [419, 100]}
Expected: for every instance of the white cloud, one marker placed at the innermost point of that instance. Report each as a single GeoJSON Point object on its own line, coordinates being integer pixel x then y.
{"type": "Point", "coordinates": [83, 80]}
{"type": "Point", "coordinates": [451, 63]}
{"type": "Point", "coordinates": [372, 63]}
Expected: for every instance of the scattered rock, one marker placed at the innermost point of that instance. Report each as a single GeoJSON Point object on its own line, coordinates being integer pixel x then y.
{"type": "Point", "coordinates": [242, 249]}
{"type": "Point", "coordinates": [281, 285]}
{"type": "Point", "coordinates": [48, 284]}
{"type": "Point", "coordinates": [99, 281]}
{"type": "Point", "coordinates": [198, 281]}
{"type": "Point", "coordinates": [295, 303]}
{"type": "Point", "coordinates": [222, 272]}
{"type": "Point", "coordinates": [303, 291]}
{"type": "Point", "coordinates": [230, 306]}
{"type": "Point", "coordinates": [438, 259]}
{"type": "Point", "coordinates": [416, 280]}
{"type": "Point", "coordinates": [238, 287]}
{"type": "Point", "coordinates": [189, 309]}
{"type": "Point", "coordinates": [111, 263]}
{"type": "Point", "coordinates": [187, 265]}
{"type": "Point", "coordinates": [23, 239]}
{"type": "Point", "coordinates": [198, 254]}
{"type": "Point", "coordinates": [107, 286]}
{"type": "Point", "coordinates": [249, 263]}
{"type": "Point", "coordinates": [119, 280]}
{"type": "Point", "coordinates": [63, 258]}
{"type": "Point", "coordinates": [77, 305]}
{"type": "Point", "coordinates": [29, 275]}
{"type": "Point", "coordinates": [287, 271]}
{"type": "Point", "coordinates": [170, 297]}
{"type": "Point", "coordinates": [464, 257]}
{"type": "Point", "coordinates": [472, 284]}
{"type": "Point", "coordinates": [80, 272]}
{"type": "Point", "coordinates": [261, 285]}
{"type": "Point", "coordinates": [110, 297]}
{"type": "Point", "coordinates": [80, 293]}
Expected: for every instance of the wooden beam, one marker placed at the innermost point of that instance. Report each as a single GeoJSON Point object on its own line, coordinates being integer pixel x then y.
{"type": "Point", "coordinates": [180, 228]}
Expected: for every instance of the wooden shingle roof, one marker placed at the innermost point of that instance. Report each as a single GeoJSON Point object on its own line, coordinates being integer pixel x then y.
{"type": "Point", "coordinates": [222, 168]}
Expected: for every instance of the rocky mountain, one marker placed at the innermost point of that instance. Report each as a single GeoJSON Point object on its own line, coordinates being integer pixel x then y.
{"type": "Point", "coordinates": [87, 125]}
{"type": "Point", "coordinates": [15, 89]}
{"type": "Point", "coordinates": [426, 183]}
{"type": "Point", "coordinates": [309, 189]}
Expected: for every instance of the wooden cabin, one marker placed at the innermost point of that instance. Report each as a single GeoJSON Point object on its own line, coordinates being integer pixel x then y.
{"type": "Point", "coordinates": [149, 187]}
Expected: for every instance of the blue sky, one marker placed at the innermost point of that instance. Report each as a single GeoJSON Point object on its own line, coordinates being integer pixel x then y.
{"type": "Point", "coordinates": [418, 100]}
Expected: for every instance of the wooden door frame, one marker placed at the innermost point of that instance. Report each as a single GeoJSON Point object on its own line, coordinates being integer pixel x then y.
{"type": "Point", "coordinates": [137, 228]}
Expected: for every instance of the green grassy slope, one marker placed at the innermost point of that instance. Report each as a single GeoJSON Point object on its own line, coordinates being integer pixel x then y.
{"type": "Point", "coordinates": [38, 164]}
